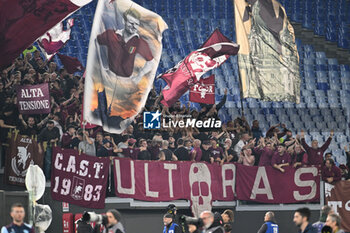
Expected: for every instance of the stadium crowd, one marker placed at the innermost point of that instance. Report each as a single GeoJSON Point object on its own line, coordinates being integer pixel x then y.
{"type": "Point", "coordinates": [236, 141]}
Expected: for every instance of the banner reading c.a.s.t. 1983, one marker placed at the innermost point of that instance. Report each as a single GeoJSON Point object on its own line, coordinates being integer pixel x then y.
{"type": "Point", "coordinates": [79, 179]}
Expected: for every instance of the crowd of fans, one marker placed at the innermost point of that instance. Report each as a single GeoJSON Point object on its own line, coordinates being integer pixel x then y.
{"type": "Point", "coordinates": [236, 141]}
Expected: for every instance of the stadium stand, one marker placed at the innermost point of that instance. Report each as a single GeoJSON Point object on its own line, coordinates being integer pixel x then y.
{"type": "Point", "coordinates": [325, 87]}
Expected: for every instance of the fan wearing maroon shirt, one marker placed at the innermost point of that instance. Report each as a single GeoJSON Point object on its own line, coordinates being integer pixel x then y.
{"type": "Point", "coordinates": [131, 151]}
{"type": "Point", "coordinates": [265, 150]}
{"type": "Point", "coordinates": [314, 152]}
{"type": "Point", "coordinates": [123, 45]}
{"type": "Point", "coordinates": [330, 172]}
{"type": "Point", "coordinates": [281, 158]}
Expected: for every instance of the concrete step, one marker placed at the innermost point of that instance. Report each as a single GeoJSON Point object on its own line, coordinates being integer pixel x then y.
{"type": "Point", "coordinates": [321, 44]}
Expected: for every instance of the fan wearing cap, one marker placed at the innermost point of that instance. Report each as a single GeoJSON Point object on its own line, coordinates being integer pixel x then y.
{"type": "Point", "coordinates": [131, 151]}
{"type": "Point", "coordinates": [105, 150]}
{"type": "Point", "coordinates": [169, 225]}
{"type": "Point", "coordinates": [281, 158]}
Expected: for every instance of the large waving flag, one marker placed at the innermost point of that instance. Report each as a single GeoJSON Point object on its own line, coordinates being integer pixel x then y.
{"type": "Point", "coordinates": [189, 71]}
{"type": "Point", "coordinates": [268, 58]}
{"type": "Point", "coordinates": [23, 22]}
{"type": "Point", "coordinates": [124, 53]}
{"type": "Point", "coordinates": [55, 39]}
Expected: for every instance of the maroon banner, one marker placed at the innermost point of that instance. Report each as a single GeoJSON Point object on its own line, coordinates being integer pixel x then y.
{"type": "Point", "coordinates": [268, 185]}
{"type": "Point", "coordinates": [79, 179]}
{"type": "Point", "coordinates": [338, 197]}
{"type": "Point", "coordinates": [22, 152]}
{"type": "Point", "coordinates": [33, 99]}
{"type": "Point", "coordinates": [22, 22]}
{"type": "Point", "coordinates": [201, 183]}
{"type": "Point", "coordinates": [204, 91]}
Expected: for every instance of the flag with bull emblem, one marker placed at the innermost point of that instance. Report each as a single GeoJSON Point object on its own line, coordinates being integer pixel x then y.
{"type": "Point", "coordinates": [55, 39]}
{"type": "Point", "coordinates": [268, 58]}
{"type": "Point", "coordinates": [124, 53]}
{"type": "Point", "coordinates": [204, 91]}
{"type": "Point", "coordinates": [22, 152]}
{"type": "Point", "coordinates": [189, 71]}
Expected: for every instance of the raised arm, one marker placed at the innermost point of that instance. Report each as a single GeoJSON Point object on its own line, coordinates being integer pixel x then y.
{"type": "Point", "coordinates": [326, 144]}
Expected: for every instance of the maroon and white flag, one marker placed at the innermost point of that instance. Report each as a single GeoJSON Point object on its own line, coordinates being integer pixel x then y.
{"type": "Point", "coordinates": [79, 179]}
{"type": "Point", "coordinates": [204, 91]}
{"type": "Point", "coordinates": [22, 152]}
{"type": "Point", "coordinates": [23, 22]}
{"type": "Point", "coordinates": [71, 64]}
{"type": "Point", "coordinates": [33, 99]}
{"type": "Point", "coordinates": [55, 39]}
{"type": "Point", "coordinates": [338, 197]}
{"type": "Point", "coordinates": [189, 71]}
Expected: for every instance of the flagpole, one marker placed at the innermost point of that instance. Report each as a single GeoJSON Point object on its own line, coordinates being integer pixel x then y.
{"type": "Point", "coordinates": [240, 90]}
{"type": "Point", "coordinates": [239, 73]}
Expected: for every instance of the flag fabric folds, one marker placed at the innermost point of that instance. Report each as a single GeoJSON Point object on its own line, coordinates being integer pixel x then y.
{"type": "Point", "coordinates": [204, 91]}
{"type": "Point", "coordinates": [187, 72]}
{"type": "Point", "coordinates": [71, 64]}
{"type": "Point", "coordinates": [268, 58]}
{"type": "Point", "coordinates": [23, 22]}
{"type": "Point", "coordinates": [124, 53]}
{"type": "Point", "coordinates": [55, 39]}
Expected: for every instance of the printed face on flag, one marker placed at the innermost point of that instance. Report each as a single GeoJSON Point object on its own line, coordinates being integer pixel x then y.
{"type": "Point", "coordinates": [124, 52]}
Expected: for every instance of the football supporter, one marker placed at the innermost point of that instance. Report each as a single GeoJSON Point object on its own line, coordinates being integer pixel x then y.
{"type": "Point", "coordinates": [314, 152]}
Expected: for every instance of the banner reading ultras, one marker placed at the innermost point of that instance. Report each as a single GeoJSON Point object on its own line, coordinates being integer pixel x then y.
{"type": "Point", "coordinates": [268, 58]}
{"type": "Point", "coordinates": [124, 53]}
{"type": "Point", "coordinates": [79, 179]}
{"type": "Point", "coordinates": [203, 183]}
